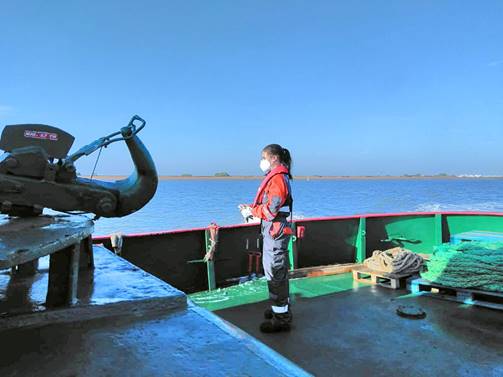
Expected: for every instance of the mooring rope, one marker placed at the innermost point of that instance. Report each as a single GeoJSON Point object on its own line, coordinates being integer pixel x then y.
{"type": "Point", "coordinates": [213, 240]}
{"type": "Point", "coordinates": [395, 261]}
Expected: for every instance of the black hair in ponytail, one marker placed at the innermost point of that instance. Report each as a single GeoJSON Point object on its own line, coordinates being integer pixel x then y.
{"type": "Point", "coordinates": [283, 154]}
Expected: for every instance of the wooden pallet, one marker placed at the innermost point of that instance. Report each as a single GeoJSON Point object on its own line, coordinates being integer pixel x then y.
{"type": "Point", "coordinates": [366, 275]}
{"type": "Point", "coordinates": [493, 300]}
{"type": "Point", "coordinates": [335, 269]}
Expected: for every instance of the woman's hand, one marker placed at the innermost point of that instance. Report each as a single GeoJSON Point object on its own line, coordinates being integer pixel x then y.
{"type": "Point", "coordinates": [246, 211]}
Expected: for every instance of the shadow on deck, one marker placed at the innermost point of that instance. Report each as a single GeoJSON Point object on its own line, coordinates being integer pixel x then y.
{"type": "Point", "coordinates": [356, 332]}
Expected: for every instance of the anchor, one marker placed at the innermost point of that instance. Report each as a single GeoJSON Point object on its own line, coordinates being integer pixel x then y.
{"type": "Point", "coordinates": [37, 173]}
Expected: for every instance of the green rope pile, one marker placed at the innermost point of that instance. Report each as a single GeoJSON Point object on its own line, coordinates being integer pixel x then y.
{"type": "Point", "coordinates": [474, 265]}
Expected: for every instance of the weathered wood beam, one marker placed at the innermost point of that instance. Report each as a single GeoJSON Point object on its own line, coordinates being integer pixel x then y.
{"type": "Point", "coordinates": [63, 277]}
{"type": "Point", "coordinates": [323, 270]}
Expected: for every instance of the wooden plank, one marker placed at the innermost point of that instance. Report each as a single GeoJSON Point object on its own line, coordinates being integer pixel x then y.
{"type": "Point", "coordinates": [486, 304]}
{"type": "Point", "coordinates": [26, 269]}
{"type": "Point", "coordinates": [334, 269]}
{"type": "Point", "coordinates": [395, 283]}
{"type": "Point", "coordinates": [366, 275]}
{"type": "Point", "coordinates": [488, 299]}
{"type": "Point", "coordinates": [63, 277]}
{"type": "Point", "coordinates": [424, 256]}
{"type": "Point", "coordinates": [26, 239]}
{"type": "Point", "coordinates": [383, 274]}
{"type": "Point", "coordinates": [427, 283]}
{"type": "Point", "coordinates": [86, 254]}
{"type": "Point", "coordinates": [130, 293]}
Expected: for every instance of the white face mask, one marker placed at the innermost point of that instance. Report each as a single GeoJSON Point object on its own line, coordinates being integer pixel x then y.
{"type": "Point", "coordinates": [265, 165]}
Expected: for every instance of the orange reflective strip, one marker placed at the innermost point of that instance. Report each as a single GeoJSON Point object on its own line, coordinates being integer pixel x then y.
{"type": "Point", "coordinates": [287, 230]}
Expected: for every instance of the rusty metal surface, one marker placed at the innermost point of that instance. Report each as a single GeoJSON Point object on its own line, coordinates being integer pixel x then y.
{"type": "Point", "coordinates": [25, 239]}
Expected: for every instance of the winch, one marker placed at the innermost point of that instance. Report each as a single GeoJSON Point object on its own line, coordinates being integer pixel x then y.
{"type": "Point", "coordinates": [36, 172]}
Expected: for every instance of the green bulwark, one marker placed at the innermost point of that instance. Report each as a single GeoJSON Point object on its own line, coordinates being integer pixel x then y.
{"type": "Point", "coordinates": [416, 232]}
{"type": "Point", "coordinates": [361, 243]}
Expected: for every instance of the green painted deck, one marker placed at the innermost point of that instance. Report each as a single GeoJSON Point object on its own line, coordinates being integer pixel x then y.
{"type": "Point", "coordinates": [256, 291]}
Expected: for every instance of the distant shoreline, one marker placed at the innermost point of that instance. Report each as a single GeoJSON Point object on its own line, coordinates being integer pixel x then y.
{"type": "Point", "coordinates": [300, 177]}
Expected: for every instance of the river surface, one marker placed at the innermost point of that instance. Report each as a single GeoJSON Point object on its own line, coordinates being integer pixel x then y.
{"type": "Point", "coordinates": [181, 204]}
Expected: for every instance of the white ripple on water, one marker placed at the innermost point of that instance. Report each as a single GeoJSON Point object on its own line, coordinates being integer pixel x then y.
{"type": "Point", "coordinates": [470, 207]}
{"type": "Point", "coordinates": [188, 204]}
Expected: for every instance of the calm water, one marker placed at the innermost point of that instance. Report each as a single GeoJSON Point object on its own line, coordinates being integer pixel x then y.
{"type": "Point", "coordinates": [187, 204]}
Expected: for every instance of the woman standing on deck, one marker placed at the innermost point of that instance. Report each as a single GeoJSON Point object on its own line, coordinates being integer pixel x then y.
{"type": "Point", "coordinates": [273, 205]}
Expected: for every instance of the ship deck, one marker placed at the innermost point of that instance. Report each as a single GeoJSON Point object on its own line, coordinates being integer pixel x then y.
{"type": "Point", "coordinates": [341, 328]}
{"type": "Point", "coordinates": [188, 342]}
{"type": "Point", "coordinates": [126, 323]}
{"type": "Point", "coordinates": [356, 332]}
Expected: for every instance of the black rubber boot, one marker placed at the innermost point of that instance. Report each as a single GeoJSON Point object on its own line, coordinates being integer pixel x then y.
{"type": "Point", "coordinates": [278, 323]}
{"type": "Point", "coordinates": [268, 313]}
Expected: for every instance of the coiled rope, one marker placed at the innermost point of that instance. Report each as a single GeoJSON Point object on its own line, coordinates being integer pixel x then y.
{"type": "Point", "coordinates": [395, 261]}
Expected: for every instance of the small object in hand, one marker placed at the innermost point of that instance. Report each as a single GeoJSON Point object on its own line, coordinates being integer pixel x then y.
{"type": "Point", "coordinates": [246, 212]}
{"type": "Point", "coordinates": [410, 311]}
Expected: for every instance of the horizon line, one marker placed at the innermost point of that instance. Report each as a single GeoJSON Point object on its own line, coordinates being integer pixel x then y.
{"type": "Point", "coordinates": [303, 177]}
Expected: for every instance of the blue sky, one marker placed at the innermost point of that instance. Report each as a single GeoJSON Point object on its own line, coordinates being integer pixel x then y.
{"type": "Point", "coordinates": [353, 87]}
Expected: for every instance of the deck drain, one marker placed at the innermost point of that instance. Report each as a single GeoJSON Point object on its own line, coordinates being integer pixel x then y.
{"type": "Point", "coordinates": [410, 311]}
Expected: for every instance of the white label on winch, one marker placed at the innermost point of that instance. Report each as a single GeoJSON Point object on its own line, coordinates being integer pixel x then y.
{"type": "Point", "coordinates": [41, 135]}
